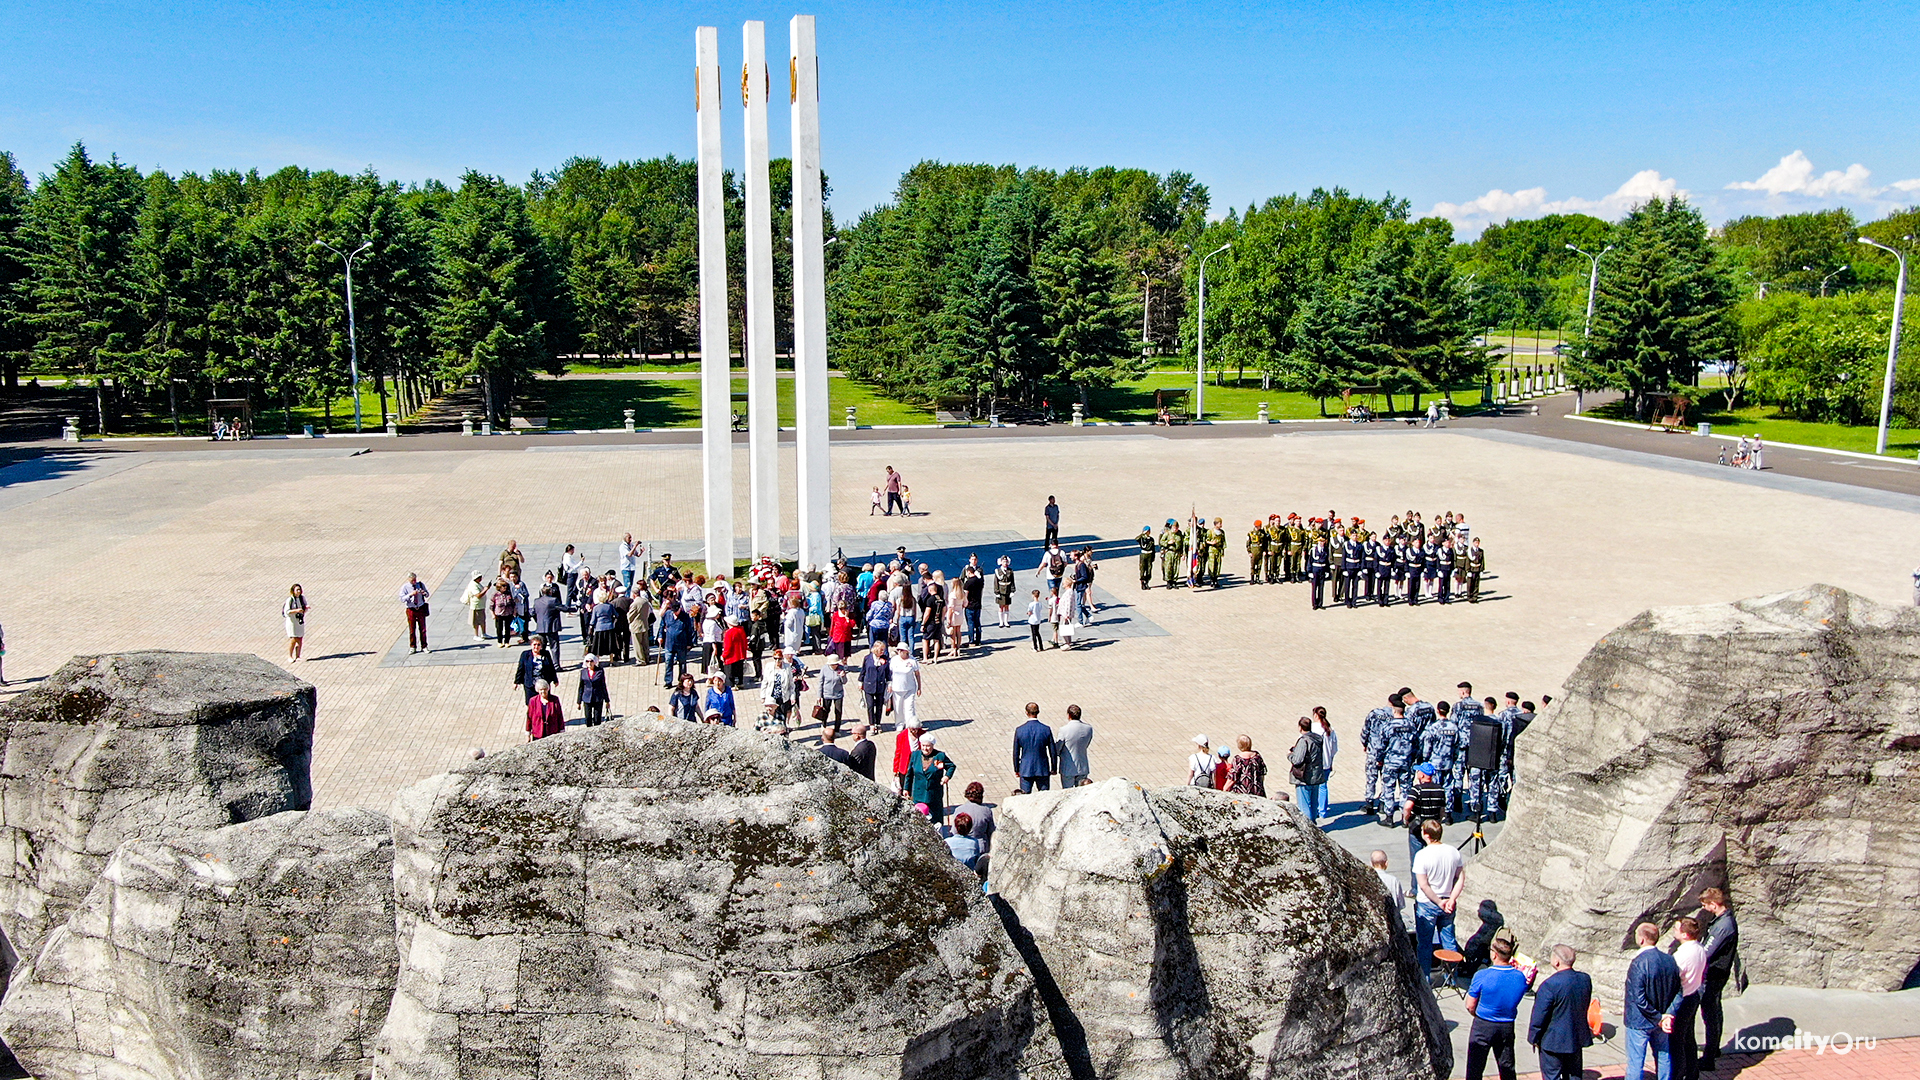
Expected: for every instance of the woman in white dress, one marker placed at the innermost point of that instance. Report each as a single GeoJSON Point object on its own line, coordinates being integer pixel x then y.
{"type": "Point", "coordinates": [295, 612]}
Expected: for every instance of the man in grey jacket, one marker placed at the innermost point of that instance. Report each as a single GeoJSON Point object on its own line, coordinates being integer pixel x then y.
{"type": "Point", "coordinates": [1071, 745]}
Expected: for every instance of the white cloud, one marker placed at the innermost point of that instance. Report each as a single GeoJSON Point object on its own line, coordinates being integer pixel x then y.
{"type": "Point", "coordinates": [1498, 205]}
{"type": "Point", "coordinates": [1795, 175]}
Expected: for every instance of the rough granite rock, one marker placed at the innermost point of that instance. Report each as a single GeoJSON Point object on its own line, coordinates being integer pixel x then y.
{"type": "Point", "coordinates": [254, 952]}
{"type": "Point", "coordinates": [1189, 933]}
{"type": "Point", "coordinates": [1769, 746]}
{"type": "Point", "coordinates": [657, 899]}
{"type": "Point", "coordinates": [138, 746]}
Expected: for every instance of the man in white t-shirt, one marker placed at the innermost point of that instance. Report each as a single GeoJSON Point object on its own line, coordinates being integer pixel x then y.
{"type": "Point", "coordinates": [1396, 889]}
{"type": "Point", "coordinates": [904, 686]}
{"type": "Point", "coordinates": [1439, 873]}
{"type": "Point", "coordinates": [1691, 958]}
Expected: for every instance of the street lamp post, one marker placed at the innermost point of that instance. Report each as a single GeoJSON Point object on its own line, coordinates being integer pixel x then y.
{"type": "Point", "coordinates": [1200, 355]}
{"type": "Point", "coordinates": [1893, 344]}
{"type": "Point", "coordinates": [353, 340]}
{"type": "Point", "coordinates": [1593, 285]}
{"type": "Point", "coordinates": [1146, 310]}
{"type": "Point", "coordinates": [1823, 281]}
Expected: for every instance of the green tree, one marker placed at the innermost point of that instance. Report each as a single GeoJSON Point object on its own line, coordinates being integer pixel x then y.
{"type": "Point", "coordinates": [15, 340]}
{"type": "Point", "coordinates": [1661, 310]}
{"type": "Point", "coordinates": [1086, 326]}
{"type": "Point", "coordinates": [79, 230]}
{"type": "Point", "coordinates": [500, 315]}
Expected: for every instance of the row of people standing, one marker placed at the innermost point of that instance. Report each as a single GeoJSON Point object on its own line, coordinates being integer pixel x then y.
{"type": "Point", "coordinates": [1396, 563]}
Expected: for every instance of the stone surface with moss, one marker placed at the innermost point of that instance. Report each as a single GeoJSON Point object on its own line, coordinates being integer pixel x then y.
{"type": "Point", "coordinates": [1189, 933]}
{"type": "Point", "coordinates": [654, 898]}
{"type": "Point", "coordinates": [138, 746]}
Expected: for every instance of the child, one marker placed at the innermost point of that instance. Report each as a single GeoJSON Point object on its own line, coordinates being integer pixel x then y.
{"type": "Point", "coordinates": [906, 500]}
{"type": "Point", "coordinates": [1035, 616]}
{"type": "Point", "coordinates": [1057, 612]}
{"type": "Point", "coordinates": [876, 503]}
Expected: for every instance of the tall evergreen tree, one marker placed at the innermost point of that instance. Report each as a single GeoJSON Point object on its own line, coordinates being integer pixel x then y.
{"type": "Point", "coordinates": [1661, 312]}
{"type": "Point", "coordinates": [15, 340]}
{"type": "Point", "coordinates": [1086, 326]}
{"type": "Point", "coordinates": [79, 229]}
{"type": "Point", "coordinates": [501, 314]}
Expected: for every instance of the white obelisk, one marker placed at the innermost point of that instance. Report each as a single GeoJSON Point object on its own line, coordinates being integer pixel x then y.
{"type": "Point", "coordinates": [716, 384]}
{"type": "Point", "coordinates": [763, 411]}
{"type": "Point", "coordinates": [809, 301]}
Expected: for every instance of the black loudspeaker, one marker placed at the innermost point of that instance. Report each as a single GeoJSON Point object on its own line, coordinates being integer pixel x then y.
{"type": "Point", "coordinates": [1483, 744]}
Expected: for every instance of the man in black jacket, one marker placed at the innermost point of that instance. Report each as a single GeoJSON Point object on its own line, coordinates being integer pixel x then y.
{"type": "Point", "coordinates": [1559, 1028]}
{"type": "Point", "coordinates": [861, 757]}
{"type": "Point", "coordinates": [546, 619]}
{"type": "Point", "coordinates": [1723, 948]}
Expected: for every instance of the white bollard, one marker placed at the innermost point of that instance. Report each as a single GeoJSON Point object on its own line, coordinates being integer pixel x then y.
{"type": "Point", "coordinates": [629, 420]}
{"type": "Point", "coordinates": [1265, 417]}
{"type": "Point", "coordinates": [853, 420]}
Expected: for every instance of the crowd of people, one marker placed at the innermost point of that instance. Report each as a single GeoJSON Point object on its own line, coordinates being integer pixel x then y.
{"type": "Point", "coordinates": [1667, 988]}
{"type": "Point", "coordinates": [1360, 565]}
{"type": "Point", "coordinates": [1410, 742]}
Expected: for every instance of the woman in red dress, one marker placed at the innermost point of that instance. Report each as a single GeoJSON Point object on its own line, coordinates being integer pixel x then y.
{"type": "Point", "coordinates": [544, 717]}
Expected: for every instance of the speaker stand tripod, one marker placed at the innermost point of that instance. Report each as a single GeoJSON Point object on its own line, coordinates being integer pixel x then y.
{"type": "Point", "coordinates": [1478, 840]}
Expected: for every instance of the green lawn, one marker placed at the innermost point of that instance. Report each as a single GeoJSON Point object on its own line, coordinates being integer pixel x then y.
{"type": "Point", "coordinates": [623, 364]}
{"type": "Point", "coordinates": [268, 417]}
{"type": "Point", "coordinates": [669, 403]}
{"type": "Point", "coordinates": [1766, 421]}
{"type": "Point", "coordinates": [1233, 401]}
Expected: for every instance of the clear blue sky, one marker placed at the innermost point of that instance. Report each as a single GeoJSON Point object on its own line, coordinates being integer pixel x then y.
{"type": "Point", "coordinates": [1478, 109]}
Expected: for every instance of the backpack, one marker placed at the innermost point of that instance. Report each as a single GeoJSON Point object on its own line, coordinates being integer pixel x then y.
{"type": "Point", "coordinates": [1056, 564]}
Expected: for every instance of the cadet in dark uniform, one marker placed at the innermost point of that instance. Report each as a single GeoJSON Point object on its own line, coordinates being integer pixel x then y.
{"type": "Point", "coordinates": [1352, 561]}
{"type": "Point", "coordinates": [1317, 568]}
{"type": "Point", "coordinates": [1416, 566]}
{"type": "Point", "coordinates": [1383, 570]}
{"type": "Point", "coordinates": [1147, 548]}
{"type": "Point", "coordinates": [1476, 566]}
{"type": "Point", "coordinates": [1443, 562]}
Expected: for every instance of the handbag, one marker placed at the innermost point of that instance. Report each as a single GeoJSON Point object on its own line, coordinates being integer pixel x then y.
{"type": "Point", "coordinates": [820, 711]}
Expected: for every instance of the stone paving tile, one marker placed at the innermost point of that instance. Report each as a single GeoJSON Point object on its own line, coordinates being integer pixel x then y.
{"type": "Point", "coordinates": [1889, 1059]}
{"type": "Point", "coordinates": [195, 551]}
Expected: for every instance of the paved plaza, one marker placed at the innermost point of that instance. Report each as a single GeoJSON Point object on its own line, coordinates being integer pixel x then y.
{"type": "Point", "coordinates": [196, 550]}
{"type": "Point", "coordinates": [113, 550]}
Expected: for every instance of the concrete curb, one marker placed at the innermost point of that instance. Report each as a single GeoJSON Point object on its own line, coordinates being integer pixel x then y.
{"type": "Point", "coordinates": [1737, 438]}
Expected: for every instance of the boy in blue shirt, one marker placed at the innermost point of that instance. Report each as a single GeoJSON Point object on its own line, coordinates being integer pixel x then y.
{"type": "Point", "coordinates": [1494, 1000]}
{"type": "Point", "coordinates": [962, 843]}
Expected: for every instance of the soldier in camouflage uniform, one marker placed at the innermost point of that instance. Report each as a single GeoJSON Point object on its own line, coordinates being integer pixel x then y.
{"type": "Point", "coordinates": [1373, 743]}
{"type": "Point", "coordinates": [1465, 712]}
{"type": "Point", "coordinates": [1297, 541]}
{"type": "Point", "coordinates": [1216, 551]}
{"type": "Point", "coordinates": [1438, 745]}
{"type": "Point", "coordinates": [1173, 544]}
{"type": "Point", "coordinates": [1503, 780]}
{"type": "Point", "coordinates": [1147, 548]}
{"type": "Point", "coordinates": [1396, 763]}
{"type": "Point", "coordinates": [1277, 553]}
{"type": "Point", "coordinates": [1256, 551]}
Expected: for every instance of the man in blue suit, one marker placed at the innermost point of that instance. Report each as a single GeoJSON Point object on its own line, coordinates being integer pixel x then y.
{"type": "Point", "coordinates": [1034, 757]}
{"type": "Point", "coordinates": [1559, 1026]}
{"type": "Point", "coordinates": [1653, 997]}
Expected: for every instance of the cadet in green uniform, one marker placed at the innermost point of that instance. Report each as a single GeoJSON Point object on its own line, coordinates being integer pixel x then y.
{"type": "Point", "coordinates": [1216, 550]}
{"type": "Point", "coordinates": [1145, 540]}
{"type": "Point", "coordinates": [1276, 549]}
{"type": "Point", "coordinates": [1256, 552]}
{"type": "Point", "coordinates": [1173, 544]}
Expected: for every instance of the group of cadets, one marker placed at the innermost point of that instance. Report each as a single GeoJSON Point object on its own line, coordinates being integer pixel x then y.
{"type": "Point", "coordinates": [1361, 565]}
{"type": "Point", "coordinates": [1408, 732]}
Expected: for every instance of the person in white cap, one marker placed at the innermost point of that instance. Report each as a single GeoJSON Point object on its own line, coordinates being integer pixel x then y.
{"type": "Point", "coordinates": [1200, 765]}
